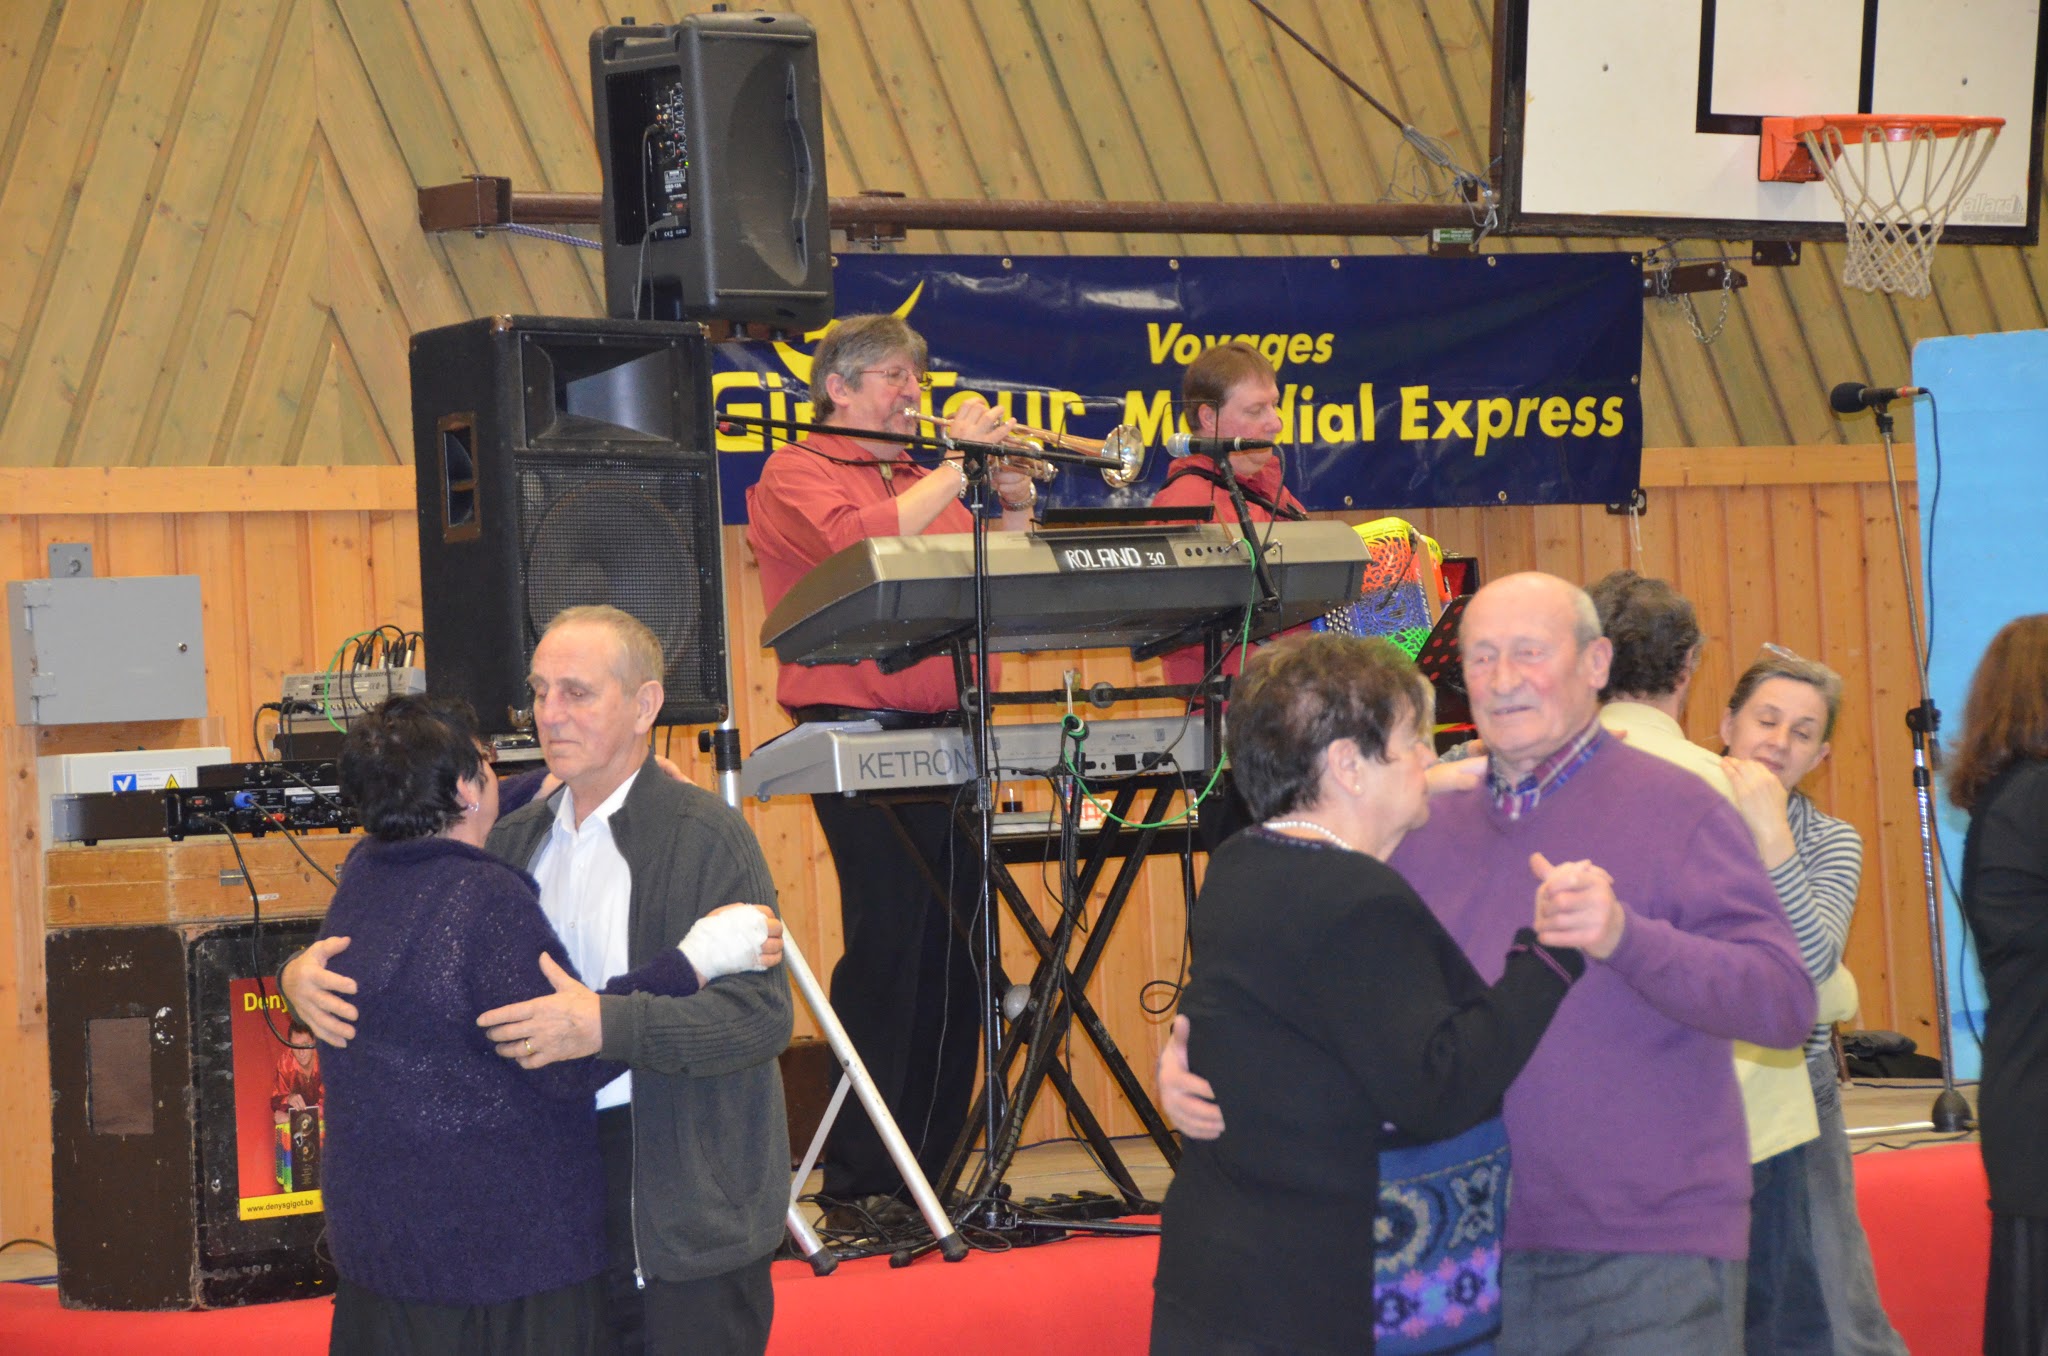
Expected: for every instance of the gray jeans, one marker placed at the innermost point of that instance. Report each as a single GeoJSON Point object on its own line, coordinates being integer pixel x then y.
{"type": "Point", "coordinates": [1839, 1247]}
{"type": "Point", "coordinates": [1619, 1304]}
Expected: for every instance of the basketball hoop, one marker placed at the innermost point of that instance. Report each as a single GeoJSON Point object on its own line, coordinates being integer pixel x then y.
{"type": "Point", "coordinates": [1896, 193]}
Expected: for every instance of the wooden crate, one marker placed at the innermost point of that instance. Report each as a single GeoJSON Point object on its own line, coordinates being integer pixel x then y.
{"type": "Point", "coordinates": [141, 881]}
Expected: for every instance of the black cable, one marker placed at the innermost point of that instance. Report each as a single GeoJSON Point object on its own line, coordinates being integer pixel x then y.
{"type": "Point", "coordinates": [30, 1242]}
{"type": "Point", "coordinates": [1947, 876]}
{"type": "Point", "coordinates": [1176, 986]}
{"type": "Point", "coordinates": [1389, 114]}
{"type": "Point", "coordinates": [1933, 508]}
{"type": "Point", "coordinates": [256, 726]}
{"type": "Point", "coordinates": [293, 839]}
{"type": "Point", "coordinates": [256, 934]}
{"type": "Point", "coordinates": [1915, 1143]}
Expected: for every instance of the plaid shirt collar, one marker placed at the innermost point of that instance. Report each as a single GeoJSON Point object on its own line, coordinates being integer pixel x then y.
{"type": "Point", "coordinates": [1525, 795]}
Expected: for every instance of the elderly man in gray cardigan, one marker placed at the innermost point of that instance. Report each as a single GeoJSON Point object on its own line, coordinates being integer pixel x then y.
{"type": "Point", "coordinates": [695, 1140]}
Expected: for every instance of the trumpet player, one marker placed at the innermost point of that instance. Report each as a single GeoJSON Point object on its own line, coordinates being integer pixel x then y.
{"type": "Point", "coordinates": [905, 992]}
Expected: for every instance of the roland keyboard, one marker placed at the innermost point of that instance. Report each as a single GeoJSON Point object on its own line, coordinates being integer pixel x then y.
{"type": "Point", "coordinates": [860, 755]}
{"type": "Point", "coordinates": [888, 598]}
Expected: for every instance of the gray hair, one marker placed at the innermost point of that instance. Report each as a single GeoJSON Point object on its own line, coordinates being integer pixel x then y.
{"type": "Point", "coordinates": [639, 650]}
{"type": "Point", "coordinates": [856, 344]}
{"type": "Point", "coordinates": [1585, 617]}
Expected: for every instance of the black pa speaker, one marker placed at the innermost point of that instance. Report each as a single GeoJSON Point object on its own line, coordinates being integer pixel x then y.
{"type": "Point", "coordinates": [563, 462]}
{"type": "Point", "coordinates": [173, 1171]}
{"type": "Point", "coordinates": [711, 135]}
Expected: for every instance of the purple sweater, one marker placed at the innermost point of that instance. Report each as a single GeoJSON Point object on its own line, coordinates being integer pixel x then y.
{"type": "Point", "coordinates": [453, 1176]}
{"type": "Point", "coordinates": [1626, 1125]}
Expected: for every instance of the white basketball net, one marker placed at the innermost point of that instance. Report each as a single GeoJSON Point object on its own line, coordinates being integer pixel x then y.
{"type": "Point", "coordinates": [1896, 197]}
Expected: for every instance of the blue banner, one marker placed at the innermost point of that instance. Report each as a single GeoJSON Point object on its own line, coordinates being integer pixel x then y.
{"type": "Point", "coordinates": [1404, 382]}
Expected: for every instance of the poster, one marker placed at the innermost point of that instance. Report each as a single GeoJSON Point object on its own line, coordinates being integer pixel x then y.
{"type": "Point", "coordinates": [279, 1105]}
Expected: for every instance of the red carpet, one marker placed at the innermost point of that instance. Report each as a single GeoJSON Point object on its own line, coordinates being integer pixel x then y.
{"type": "Point", "coordinates": [1924, 1209]}
{"type": "Point", "coordinates": [1930, 1239]}
{"type": "Point", "coordinates": [1082, 1295]}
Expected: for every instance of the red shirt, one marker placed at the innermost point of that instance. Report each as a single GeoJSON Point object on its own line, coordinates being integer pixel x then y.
{"type": "Point", "coordinates": [803, 509]}
{"type": "Point", "coordinates": [1184, 487]}
{"type": "Point", "coordinates": [289, 1078]}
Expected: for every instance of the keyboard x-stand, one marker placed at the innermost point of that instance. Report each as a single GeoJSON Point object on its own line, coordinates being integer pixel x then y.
{"type": "Point", "coordinates": [1058, 993]}
{"type": "Point", "coordinates": [898, 600]}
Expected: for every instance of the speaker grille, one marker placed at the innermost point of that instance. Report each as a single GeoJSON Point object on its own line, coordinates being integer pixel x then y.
{"type": "Point", "coordinates": [639, 533]}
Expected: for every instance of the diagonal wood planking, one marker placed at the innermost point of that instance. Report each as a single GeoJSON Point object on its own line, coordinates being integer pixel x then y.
{"type": "Point", "coordinates": [156, 151]}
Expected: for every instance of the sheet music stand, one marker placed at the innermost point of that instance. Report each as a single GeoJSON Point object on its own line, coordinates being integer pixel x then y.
{"type": "Point", "coordinates": [1439, 662]}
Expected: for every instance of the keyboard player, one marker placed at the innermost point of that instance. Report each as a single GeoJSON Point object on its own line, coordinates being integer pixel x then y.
{"type": "Point", "coordinates": [1229, 391]}
{"type": "Point", "coordinates": [905, 990]}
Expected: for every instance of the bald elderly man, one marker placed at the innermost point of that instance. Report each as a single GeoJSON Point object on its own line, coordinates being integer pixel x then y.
{"type": "Point", "coordinates": [1628, 1227]}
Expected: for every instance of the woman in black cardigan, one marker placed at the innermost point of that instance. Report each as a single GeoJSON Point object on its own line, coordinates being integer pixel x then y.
{"type": "Point", "coordinates": [1335, 1011]}
{"type": "Point", "coordinates": [2000, 775]}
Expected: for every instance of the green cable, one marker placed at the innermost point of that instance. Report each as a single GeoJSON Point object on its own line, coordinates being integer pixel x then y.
{"type": "Point", "coordinates": [1222, 758]}
{"type": "Point", "coordinates": [333, 675]}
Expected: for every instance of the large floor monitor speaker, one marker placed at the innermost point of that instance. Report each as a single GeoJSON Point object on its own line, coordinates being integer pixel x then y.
{"type": "Point", "coordinates": [180, 1181]}
{"type": "Point", "coordinates": [563, 462]}
{"type": "Point", "coordinates": [711, 136]}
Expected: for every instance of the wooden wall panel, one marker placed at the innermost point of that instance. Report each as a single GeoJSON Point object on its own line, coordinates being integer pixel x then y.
{"type": "Point", "coordinates": [291, 563]}
{"type": "Point", "coordinates": [284, 576]}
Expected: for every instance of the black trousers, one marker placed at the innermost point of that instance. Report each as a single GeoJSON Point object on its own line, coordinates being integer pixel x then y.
{"type": "Point", "coordinates": [564, 1322]}
{"type": "Point", "coordinates": [906, 988]}
{"type": "Point", "coordinates": [724, 1315]}
{"type": "Point", "coordinates": [2016, 1296]}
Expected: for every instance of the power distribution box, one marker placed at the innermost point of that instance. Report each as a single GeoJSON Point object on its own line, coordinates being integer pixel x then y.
{"type": "Point", "coordinates": [97, 651]}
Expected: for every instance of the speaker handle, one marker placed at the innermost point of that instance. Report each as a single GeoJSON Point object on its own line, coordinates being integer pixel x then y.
{"type": "Point", "coordinates": [800, 155]}
{"type": "Point", "coordinates": [461, 517]}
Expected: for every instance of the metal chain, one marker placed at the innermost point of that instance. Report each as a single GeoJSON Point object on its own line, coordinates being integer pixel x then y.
{"type": "Point", "coordinates": [559, 237]}
{"type": "Point", "coordinates": [1692, 315]}
{"type": "Point", "coordinates": [1666, 264]}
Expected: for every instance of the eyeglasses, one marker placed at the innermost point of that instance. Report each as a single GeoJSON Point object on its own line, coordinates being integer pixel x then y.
{"type": "Point", "coordinates": [899, 376]}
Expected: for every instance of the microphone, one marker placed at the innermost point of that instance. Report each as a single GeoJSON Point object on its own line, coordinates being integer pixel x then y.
{"type": "Point", "coordinates": [1852, 396]}
{"type": "Point", "coordinates": [1188, 445]}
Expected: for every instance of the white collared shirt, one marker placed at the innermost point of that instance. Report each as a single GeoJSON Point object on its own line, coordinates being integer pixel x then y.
{"type": "Point", "coordinates": [586, 890]}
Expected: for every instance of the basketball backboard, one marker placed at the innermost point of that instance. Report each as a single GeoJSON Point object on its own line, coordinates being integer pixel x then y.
{"type": "Point", "coordinates": [1620, 118]}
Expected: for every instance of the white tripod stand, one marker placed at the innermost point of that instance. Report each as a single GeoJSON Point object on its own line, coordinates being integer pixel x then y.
{"type": "Point", "coordinates": [724, 742]}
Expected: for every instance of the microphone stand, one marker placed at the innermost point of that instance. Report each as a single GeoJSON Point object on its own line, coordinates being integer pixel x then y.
{"type": "Point", "coordinates": [978, 460]}
{"type": "Point", "coordinates": [1951, 1113]}
{"type": "Point", "coordinates": [1262, 578]}
{"type": "Point", "coordinates": [1269, 597]}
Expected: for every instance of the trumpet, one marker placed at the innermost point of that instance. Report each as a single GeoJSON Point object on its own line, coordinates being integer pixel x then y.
{"type": "Point", "coordinates": [1121, 447]}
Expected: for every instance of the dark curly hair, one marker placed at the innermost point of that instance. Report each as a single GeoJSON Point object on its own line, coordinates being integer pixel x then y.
{"type": "Point", "coordinates": [402, 762]}
{"type": "Point", "coordinates": [1654, 631]}
{"type": "Point", "coordinates": [1301, 695]}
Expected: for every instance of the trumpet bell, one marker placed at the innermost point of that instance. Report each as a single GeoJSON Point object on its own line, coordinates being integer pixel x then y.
{"type": "Point", "coordinates": [1124, 445]}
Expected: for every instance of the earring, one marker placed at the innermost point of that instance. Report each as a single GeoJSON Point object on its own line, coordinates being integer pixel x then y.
{"type": "Point", "coordinates": [472, 807]}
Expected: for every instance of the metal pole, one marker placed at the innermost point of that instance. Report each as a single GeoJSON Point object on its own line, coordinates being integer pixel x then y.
{"type": "Point", "coordinates": [1951, 1109]}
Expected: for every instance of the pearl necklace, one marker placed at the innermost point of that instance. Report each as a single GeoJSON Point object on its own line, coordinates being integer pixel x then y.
{"type": "Point", "coordinates": [1319, 830]}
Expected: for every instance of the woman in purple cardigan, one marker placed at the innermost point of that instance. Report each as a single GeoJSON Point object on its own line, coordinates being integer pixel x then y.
{"type": "Point", "coordinates": [464, 1195]}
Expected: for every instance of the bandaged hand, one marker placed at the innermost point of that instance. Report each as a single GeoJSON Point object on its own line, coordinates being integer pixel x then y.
{"type": "Point", "coordinates": [733, 940]}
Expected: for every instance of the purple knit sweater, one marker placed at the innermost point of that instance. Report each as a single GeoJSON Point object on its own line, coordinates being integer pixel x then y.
{"type": "Point", "coordinates": [453, 1176]}
{"type": "Point", "coordinates": [1626, 1125]}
